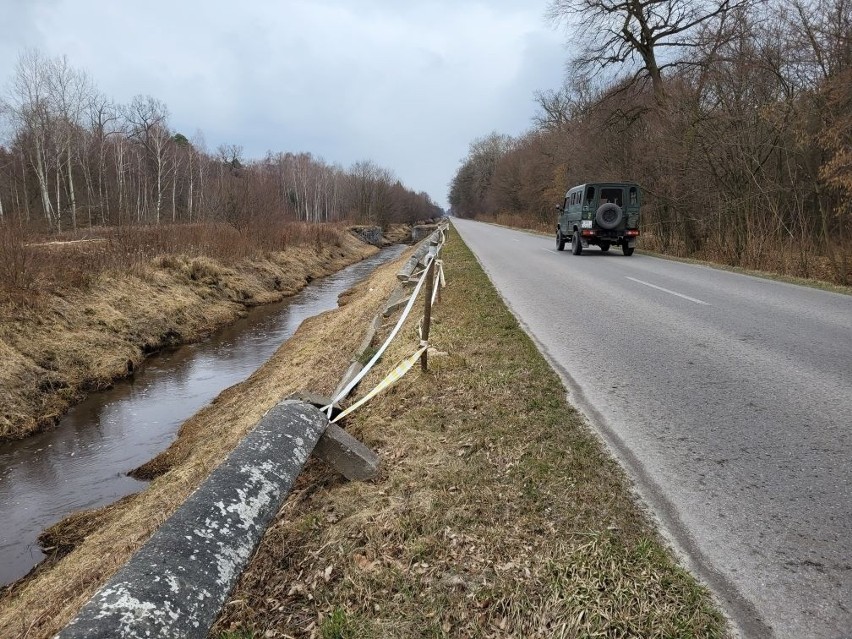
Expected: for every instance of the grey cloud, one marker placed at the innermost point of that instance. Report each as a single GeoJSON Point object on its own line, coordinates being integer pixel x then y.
{"type": "Point", "coordinates": [406, 84]}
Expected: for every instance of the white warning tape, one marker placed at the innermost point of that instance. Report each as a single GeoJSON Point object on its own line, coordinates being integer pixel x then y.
{"type": "Point", "coordinates": [439, 264]}
{"type": "Point", "coordinates": [394, 376]}
{"type": "Point", "coordinates": [345, 391]}
{"type": "Point", "coordinates": [405, 366]}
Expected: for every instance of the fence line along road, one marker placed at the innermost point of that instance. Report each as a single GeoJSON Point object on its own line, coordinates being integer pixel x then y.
{"type": "Point", "coordinates": [175, 585]}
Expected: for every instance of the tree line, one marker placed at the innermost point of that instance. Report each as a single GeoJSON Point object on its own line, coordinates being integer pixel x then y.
{"type": "Point", "coordinates": [72, 157]}
{"type": "Point", "coordinates": [735, 116]}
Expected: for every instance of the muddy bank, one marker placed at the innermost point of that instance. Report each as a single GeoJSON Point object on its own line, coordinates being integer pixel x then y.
{"type": "Point", "coordinates": [55, 351]}
{"type": "Point", "coordinates": [314, 358]}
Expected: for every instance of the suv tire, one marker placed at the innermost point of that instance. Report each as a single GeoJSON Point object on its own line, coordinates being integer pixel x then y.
{"type": "Point", "coordinates": [627, 250]}
{"type": "Point", "coordinates": [560, 240]}
{"type": "Point", "coordinates": [608, 216]}
{"type": "Point", "coordinates": [576, 247]}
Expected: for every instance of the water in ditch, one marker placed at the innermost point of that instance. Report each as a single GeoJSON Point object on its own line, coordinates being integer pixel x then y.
{"type": "Point", "coordinates": [83, 463]}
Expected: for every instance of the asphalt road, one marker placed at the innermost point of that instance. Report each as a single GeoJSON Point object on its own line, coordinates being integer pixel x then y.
{"type": "Point", "coordinates": [727, 398]}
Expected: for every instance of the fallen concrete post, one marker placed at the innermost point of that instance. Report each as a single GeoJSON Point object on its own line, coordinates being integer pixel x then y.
{"type": "Point", "coordinates": [394, 306]}
{"type": "Point", "coordinates": [415, 259]}
{"type": "Point", "coordinates": [397, 299]}
{"type": "Point", "coordinates": [347, 455]}
{"type": "Point", "coordinates": [411, 282]}
{"type": "Point", "coordinates": [350, 374]}
{"type": "Point", "coordinates": [176, 584]}
{"type": "Point", "coordinates": [315, 399]}
{"type": "Point", "coordinates": [339, 449]}
{"type": "Point", "coordinates": [408, 268]}
{"type": "Point", "coordinates": [367, 340]}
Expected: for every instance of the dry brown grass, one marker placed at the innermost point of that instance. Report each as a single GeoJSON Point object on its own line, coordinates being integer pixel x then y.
{"type": "Point", "coordinates": [314, 358]}
{"type": "Point", "coordinates": [73, 336]}
{"type": "Point", "coordinates": [790, 258]}
{"type": "Point", "coordinates": [33, 266]}
{"type": "Point", "coordinates": [497, 512]}
{"type": "Point", "coordinates": [519, 222]}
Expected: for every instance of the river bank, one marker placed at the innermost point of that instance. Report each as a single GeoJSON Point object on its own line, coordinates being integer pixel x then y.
{"type": "Point", "coordinates": [62, 345]}
{"type": "Point", "coordinates": [82, 464]}
{"type": "Point", "coordinates": [98, 542]}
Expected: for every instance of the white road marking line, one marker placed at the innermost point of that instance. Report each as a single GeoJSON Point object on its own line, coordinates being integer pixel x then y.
{"type": "Point", "coordinates": [665, 290]}
{"type": "Point", "coordinates": [548, 250]}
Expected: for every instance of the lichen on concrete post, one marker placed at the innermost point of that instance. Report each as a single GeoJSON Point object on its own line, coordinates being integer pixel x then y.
{"type": "Point", "coordinates": [176, 584]}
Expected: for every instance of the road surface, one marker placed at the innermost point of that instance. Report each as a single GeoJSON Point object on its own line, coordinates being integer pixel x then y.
{"type": "Point", "coordinates": [727, 398]}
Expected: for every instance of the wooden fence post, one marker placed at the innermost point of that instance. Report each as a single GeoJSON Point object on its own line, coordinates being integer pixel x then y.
{"type": "Point", "coordinates": [427, 313]}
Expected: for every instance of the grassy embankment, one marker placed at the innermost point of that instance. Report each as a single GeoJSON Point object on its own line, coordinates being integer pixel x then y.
{"type": "Point", "coordinates": [75, 316]}
{"type": "Point", "coordinates": [497, 512]}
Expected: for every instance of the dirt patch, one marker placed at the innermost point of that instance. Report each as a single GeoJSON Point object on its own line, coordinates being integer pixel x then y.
{"type": "Point", "coordinates": [398, 234]}
{"type": "Point", "coordinates": [314, 359]}
{"type": "Point", "coordinates": [76, 340]}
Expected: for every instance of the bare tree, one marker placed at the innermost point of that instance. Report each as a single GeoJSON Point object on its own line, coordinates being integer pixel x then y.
{"type": "Point", "coordinates": [103, 124]}
{"type": "Point", "coordinates": [149, 126]}
{"type": "Point", "coordinates": [28, 104]}
{"type": "Point", "coordinates": [652, 35]}
{"type": "Point", "coordinates": [69, 91]}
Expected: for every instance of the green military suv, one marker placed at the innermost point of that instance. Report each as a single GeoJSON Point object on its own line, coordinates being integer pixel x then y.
{"type": "Point", "coordinates": [600, 214]}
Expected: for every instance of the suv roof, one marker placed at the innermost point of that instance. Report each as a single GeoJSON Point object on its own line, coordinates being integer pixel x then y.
{"type": "Point", "coordinates": [583, 186]}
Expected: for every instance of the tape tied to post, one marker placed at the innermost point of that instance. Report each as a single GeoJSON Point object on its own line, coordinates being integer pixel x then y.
{"type": "Point", "coordinates": [441, 282]}
{"type": "Point", "coordinates": [343, 393]}
{"type": "Point", "coordinates": [394, 376]}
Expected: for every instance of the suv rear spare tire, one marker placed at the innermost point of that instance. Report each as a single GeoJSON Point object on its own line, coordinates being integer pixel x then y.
{"type": "Point", "coordinates": [608, 216]}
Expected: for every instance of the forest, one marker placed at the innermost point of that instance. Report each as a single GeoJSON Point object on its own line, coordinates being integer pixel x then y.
{"type": "Point", "coordinates": [72, 158]}
{"type": "Point", "coordinates": [735, 117]}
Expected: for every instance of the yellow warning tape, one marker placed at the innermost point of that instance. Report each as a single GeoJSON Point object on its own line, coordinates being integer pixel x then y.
{"type": "Point", "coordinates": [394, 376]}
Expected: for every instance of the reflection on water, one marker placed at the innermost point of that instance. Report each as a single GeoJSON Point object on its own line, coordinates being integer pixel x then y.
{"type": "Point", "coordinates": [82, 464]}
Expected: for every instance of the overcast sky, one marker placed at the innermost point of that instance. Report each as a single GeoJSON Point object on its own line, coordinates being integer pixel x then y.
{"type": "Point", "coordinates": [406, 84]}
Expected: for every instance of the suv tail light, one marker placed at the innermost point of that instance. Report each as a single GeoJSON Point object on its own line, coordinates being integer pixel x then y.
{"type": "Point", "coordinates": [588, 232]}
{"type": "Point", "coordinates": [632, 233]}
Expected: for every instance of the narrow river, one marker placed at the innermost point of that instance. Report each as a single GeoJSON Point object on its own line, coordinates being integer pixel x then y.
{"type": "Point", "coordinates": [83, 463]}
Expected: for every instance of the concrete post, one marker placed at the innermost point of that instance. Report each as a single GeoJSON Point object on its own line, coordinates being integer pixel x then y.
{"type": "Point", "coordinates": [176, 584]}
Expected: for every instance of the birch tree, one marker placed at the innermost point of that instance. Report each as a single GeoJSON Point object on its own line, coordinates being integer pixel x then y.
{"type": "Point", "coordinates": [148, 118]}
{"type": "Point", "coordinates": [69, 91]}
{"type": "Point", "coordinates": [28, 105]}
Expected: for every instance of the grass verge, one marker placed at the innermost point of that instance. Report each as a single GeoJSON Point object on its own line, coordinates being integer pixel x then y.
{"type": "Point", "coordinates": [767, 275]}
{"type": "Point", "coordinates": [497, 512]}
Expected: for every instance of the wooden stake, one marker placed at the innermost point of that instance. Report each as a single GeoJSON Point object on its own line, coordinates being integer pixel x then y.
{"type": "Point", "coordinates": [427, 313]}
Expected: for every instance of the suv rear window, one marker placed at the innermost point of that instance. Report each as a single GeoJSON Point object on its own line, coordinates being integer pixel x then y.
{"type": "Point", "coordinates": [612, 195]}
